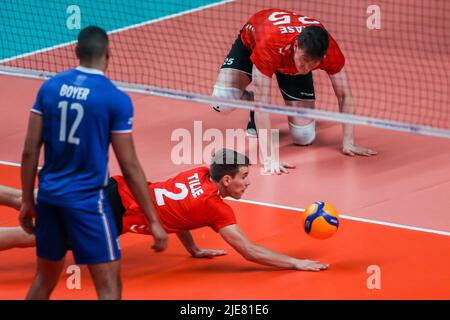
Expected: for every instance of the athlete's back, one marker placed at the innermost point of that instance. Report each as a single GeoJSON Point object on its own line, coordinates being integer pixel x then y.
{"type": "Point", "coordinates": [187, 201]}
{"type": "Point", "coordinates": [80, 109]}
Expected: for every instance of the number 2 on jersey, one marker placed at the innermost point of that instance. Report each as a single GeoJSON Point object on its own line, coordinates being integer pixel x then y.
{"type": "Point", "coordinates": [160, 193]}
{"type": "Point", "coordinates": [63, 105]}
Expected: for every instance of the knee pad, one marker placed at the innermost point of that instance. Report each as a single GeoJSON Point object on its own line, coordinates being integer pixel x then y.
{"type": "Point", "coordinates": [303, 135]}
{"type": "Point", "coordinates": [226, 93]}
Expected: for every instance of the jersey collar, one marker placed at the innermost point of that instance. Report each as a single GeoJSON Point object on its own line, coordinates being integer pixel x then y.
{"type": "Point", "coordinates": [90, 70]}
{"type": "Point", "coordinates": [215, 186]}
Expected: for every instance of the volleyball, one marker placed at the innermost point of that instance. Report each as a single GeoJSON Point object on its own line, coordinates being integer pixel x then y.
{"type": "Point", "coordinates": [320, 220]}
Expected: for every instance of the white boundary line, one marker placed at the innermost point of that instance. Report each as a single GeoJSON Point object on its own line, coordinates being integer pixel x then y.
{"type": "Point", "coordinates": [12, 164]}
{"type": "Point", "coordinates": [137, 25]}
{"type": "Point", "coordinates": [249, 105]}
{"type": "Point", "coordinates": [384, 223]}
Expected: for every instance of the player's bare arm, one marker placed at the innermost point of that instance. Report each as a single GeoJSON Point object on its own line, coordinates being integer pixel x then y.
{"type": "Point", "coordinates": [188, 242]}
{"type": "Point", "coordinates": [263, 89]}
{"type": "Point", "coordinates": [255, 253]}
{"type": "Point", "coordinates": [347, 105]}
{"type": "Point", "coordinates": [134, 176]}
{"type": "Point", "coordinates": [30, 158]}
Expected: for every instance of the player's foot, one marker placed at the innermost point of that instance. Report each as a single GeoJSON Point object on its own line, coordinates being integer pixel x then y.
{"type": "Point", "coordinates": [251, 126]}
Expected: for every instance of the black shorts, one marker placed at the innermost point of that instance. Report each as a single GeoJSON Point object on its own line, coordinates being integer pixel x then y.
{"type": "Point", "coordinates": [115, 203]}
{"type": "Point", "coordinates": [293, 88]}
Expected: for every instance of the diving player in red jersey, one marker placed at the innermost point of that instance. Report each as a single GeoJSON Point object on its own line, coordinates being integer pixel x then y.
{"type": "Point", "coordinates": [190, 200]}
{"type": "Point", "coordinates": [289, 45]}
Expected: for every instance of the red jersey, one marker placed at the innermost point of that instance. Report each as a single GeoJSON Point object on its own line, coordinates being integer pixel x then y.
{"type": "Point", "coordinates": [187, 201]}
{"type": "Point", "coordinates": [270, 35]}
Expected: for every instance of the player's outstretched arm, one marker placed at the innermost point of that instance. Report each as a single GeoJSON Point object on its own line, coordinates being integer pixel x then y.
{"type": "Point", "coordinates": [263, 88]}
{"type": "Point", "coordinates": [347, 105]}
{"type": "Point", "coordinates": [30, 158]}
{"type": "Point", "coordinates": [134, 176]}
{"type": "Point", "coordinates": [252, 252]}
{"type": "Point", "coordinates": [188, 242]}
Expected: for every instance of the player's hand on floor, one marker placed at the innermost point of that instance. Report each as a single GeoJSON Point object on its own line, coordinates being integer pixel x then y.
{"type": "Point", "coordinates": [27, 212]}
{"type": "Point", "coordinates": [309, 265]}
{"type": "Point", "coordinates": [352, 150]}
{"type": "Point", "coordinates": [208, 253]}
{"type": "Point", "coordinates": [160, 236]}
{"type": "Point", "coordinates": [276, 167]}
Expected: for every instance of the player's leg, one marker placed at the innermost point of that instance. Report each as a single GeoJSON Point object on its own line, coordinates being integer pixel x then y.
{"type": "Point", "coordinates": [303, 130]}
{"type": "Point", "coordinates": [10, 197]}
{"type": "Point", "coordinates": [51, 247]}
{"type": "Point", "coordinates": [298, 91]}
{"type": "Point", "coordinates": [15, 237]}
{"type": "Point", "coordinates": [46, 279]}
{"type": "Point", "coordinates": [106, 277]}
{"type": "Point", "coordinates": [234, 76]}
{"type": "Point", "coordinates": [93, 237]}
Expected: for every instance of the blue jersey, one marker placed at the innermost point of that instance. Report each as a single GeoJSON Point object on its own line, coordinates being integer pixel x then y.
{"type": "Point", "coordinates": [81, 108]}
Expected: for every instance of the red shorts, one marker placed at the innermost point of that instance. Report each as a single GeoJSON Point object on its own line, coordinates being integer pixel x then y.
{"type": "Point", "coordinates": [136, 223]}
{"type": "Point", "coordinates": [124, 220]}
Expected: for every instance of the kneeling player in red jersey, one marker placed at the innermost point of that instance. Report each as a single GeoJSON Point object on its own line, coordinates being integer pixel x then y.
{"type": "Point", "coordinates": [190, 200]}
{"type": "Point", "coordinates": [290, 46]}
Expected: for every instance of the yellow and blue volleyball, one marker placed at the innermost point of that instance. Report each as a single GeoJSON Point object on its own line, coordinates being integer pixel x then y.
{"type": "Point", "coordinates": [320, 220]}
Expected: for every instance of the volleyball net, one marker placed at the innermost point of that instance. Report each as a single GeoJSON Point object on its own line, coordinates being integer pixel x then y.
{"type": "Point", "coordinates": [397, 53]}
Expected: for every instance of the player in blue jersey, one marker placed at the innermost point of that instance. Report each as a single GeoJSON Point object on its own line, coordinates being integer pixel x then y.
{"type": "Point", "coordinates": [77, 114]}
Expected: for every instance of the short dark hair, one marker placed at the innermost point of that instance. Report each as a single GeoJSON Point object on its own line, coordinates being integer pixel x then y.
{"type": "Point", "coordinates": [314, 41]}
{"type": "Point", "coordinates": [227, 162]}
{"type": "Point", "coordinates": [92, 43]}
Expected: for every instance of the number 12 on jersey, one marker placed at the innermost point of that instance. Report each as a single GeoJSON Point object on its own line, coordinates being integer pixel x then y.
{"type": "Point", "coordinates": [63, 105]}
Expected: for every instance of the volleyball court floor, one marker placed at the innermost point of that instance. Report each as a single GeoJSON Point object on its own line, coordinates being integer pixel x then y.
{"type": "Point", "coordinates": [394, 212]}
{"type": "Point", "coordinates": [407, 184]}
